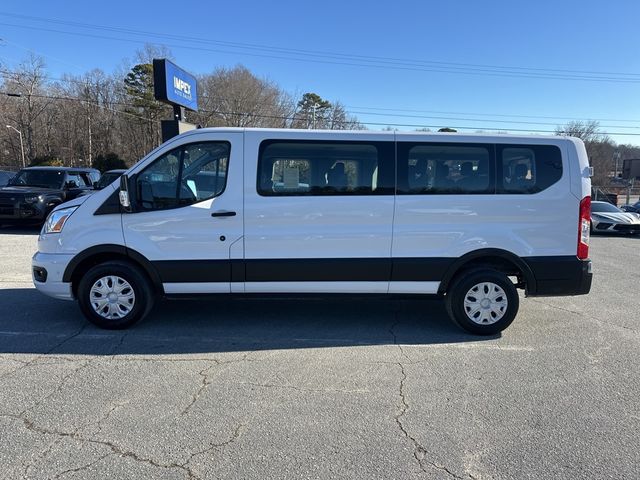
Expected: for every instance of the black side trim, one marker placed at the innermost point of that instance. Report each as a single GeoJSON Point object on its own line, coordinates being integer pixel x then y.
{"type": "Point", "coordinates": [111, 205]}
{"type": "Point", "coordinates": [420, 269]}
{"type": "Point", "coordinates": [318, 270]}
{"type": "Point", "coordinates": [329, 269]}
{"type": "Point", "coordinates": [275, 270]}
{"type": "Point", "coordinates": [238, 272]}
{"type": "Point", "coordinates": [184, 271]}
{"type": "Point", "coordinates": [560, 275]}
{"type": "Point", "coordinates": [304, 270]}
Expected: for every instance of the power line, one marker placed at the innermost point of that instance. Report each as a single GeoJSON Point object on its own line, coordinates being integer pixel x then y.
{"type": "Point", "coordinates": [392, 111]}
{"type": "Point", "coordinates": [354, 60]}
{"type": "Point", "coordinates": [508, 115]}
{"type": "Point", "coordinates": [256, 115]}
{"type": "Point", "coordinates": [520, 122]}
{"type": "Point", "coordinates": [303, 51]}
{"type": "Point", "coordinates": [291, 118]}
{"type": "Point", "coordinates": [79, 100]}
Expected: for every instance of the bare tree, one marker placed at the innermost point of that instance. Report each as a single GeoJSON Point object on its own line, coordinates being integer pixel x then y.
{"type": "Point", "coordinates": [27, 82]}
{"type": "Point", "coordinates": [600, 148]}
{"type": "Point", "coordinates": [237, 98]}
{"type": "Point", "coordinates": [587, 131]}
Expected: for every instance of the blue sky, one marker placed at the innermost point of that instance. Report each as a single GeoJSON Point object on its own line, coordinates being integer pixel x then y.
{"type": "Point", "coordinates": [470, 39]}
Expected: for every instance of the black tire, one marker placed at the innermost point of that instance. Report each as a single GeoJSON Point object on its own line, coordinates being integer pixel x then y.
{"type": "Point", "coordinates": [462, 285]}
{"type": "Point", "coordinates": [143, 295]}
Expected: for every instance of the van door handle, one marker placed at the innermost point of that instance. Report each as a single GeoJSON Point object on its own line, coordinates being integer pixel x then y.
{"type": "Point", "coordinates": [223, 213]}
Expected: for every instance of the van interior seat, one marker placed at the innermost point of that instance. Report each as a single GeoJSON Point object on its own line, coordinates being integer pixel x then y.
{"type": "Point", "coordinates": [441, 179]}
{"type": "Point", "coordinates": [336, 176]}
{"type": "Point", "coordinates": [520, 179]}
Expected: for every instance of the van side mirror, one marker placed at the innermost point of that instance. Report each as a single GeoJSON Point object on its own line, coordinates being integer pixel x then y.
{"type": "Point", "coordinates": [125, 198]}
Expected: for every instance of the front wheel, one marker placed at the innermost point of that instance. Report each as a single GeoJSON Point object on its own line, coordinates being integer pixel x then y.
{"type": "Point", "coordinates": [482, 302]}
{"type": "Point", "coordinates": [115, 295]}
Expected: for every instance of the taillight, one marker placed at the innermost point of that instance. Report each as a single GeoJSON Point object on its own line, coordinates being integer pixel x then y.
{"type": "Point", "coordinates": [584, 226]}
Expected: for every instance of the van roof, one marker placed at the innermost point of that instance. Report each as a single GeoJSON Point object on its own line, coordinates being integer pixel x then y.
{"type": "Point", "coordinates": [443, 135]}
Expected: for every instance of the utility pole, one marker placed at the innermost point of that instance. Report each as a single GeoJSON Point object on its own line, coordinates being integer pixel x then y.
{"type": "Point", "coordinates": [616, 156]}
{"type": "Point", "coordinates": [89, 124]}
{"type": "Point", "coordinates": [21, 144]}
{"type": "Point", "coordinates": [314, 107]}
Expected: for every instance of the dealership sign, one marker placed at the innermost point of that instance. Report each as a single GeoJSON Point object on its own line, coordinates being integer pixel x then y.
{"type": "Point", "coordinates": [173, 85]}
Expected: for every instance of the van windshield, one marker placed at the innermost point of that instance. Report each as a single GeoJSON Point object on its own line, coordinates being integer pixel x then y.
{"type": "Point", "coordinates": [39, 178]}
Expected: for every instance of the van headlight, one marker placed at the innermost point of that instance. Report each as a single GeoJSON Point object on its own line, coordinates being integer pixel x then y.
{"type": "Point", "coordinates": [56, 220]}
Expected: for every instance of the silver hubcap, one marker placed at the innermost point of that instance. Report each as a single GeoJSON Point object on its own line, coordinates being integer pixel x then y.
{"type": "Point", "coordinates": [485, 303]}
{"type": "Point", "coordinates": [112, 297]}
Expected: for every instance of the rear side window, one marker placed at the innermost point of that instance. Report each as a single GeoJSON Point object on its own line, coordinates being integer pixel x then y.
{"type": "Point", "coordinates": [299, 168]}
{"type": "Point", "coordinates": [528, 168]}
{"type": "Point", "coordinates": [436, 168]}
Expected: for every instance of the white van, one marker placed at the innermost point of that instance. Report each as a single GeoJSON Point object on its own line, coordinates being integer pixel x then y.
{"type": "Point", "coordinates": [469, 218]}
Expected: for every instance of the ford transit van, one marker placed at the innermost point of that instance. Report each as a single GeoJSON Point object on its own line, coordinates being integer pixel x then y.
{"type": "Point", "coordinates": [468, 218]}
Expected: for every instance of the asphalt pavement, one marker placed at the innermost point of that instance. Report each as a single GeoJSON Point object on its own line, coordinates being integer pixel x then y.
{"type": "Point", "coordinates": [321, 388]}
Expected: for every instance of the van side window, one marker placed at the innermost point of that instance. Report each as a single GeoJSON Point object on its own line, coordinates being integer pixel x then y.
{"type": "Point", "coordinates": [184, 176]}
{"type": "Point", "coordinates": [433, 168]}
{"type": "Point", "coordinates": [528, 168]}
{"type": "Point", "coordinates": [295, 168]}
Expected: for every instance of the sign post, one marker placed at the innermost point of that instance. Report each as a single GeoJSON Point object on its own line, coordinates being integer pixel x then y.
{"type": "Point", "coordinates": [178, 88]}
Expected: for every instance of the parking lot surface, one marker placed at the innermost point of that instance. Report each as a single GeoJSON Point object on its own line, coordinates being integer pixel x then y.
{"type": "Point", "coordinates": [339, 388]}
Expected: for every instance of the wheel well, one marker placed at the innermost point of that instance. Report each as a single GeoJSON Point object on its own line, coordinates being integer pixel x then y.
{"type": "Point", "coordinates": [86, 264]}
{"type": "Point", "coordinates": [499, 263]}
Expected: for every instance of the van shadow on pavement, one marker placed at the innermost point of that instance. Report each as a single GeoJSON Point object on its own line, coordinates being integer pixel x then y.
{"type": "Point", "coordinates": [33, 323]}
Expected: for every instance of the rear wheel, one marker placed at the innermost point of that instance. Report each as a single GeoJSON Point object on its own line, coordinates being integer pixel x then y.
{"type": "Point", "coordinates": [482, 302]}
{"type": "Point", "coordinates": [115, 295]}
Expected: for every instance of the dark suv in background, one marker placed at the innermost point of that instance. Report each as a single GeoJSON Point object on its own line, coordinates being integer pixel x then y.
{"type": "Point", "coordinates": [35, 191]}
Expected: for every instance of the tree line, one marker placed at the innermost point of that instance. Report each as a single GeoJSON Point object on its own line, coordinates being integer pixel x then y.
{"type": "Point", "coordinates": [102, 119]}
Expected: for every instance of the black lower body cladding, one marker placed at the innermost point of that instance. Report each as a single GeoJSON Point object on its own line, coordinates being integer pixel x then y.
{"type": "Point", "coordinates": [552, 276]}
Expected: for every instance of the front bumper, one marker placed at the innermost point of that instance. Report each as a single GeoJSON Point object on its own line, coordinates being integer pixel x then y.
{"type": "Point", "coordinates": [47, 270]}
{"type": "Point", "coordinates": [20, 212]}
{"type": "Point", "coordinates": [610, 227]}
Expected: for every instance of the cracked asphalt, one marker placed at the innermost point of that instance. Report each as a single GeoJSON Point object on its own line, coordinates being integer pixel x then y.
{"type": "Point", "coordinates": [321, 389]}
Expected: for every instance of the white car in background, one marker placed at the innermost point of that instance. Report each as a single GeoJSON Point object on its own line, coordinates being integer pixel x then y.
{"type": "Point", "coordinates": [608, 218]}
